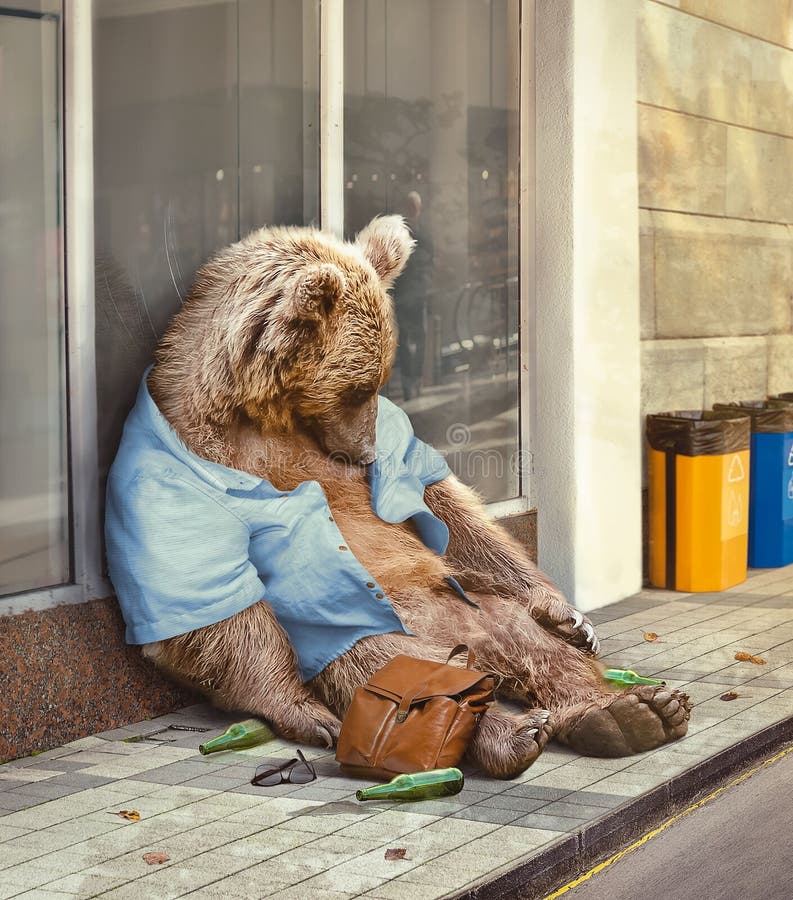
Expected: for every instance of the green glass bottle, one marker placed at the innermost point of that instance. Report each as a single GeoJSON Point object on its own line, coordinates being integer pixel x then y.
{"type": "Point", "coordinates": [239, 736]}
{"type": "Point", "coordinates": [622, 677]}
{"type": "Point", "coordinates": [416, 786]}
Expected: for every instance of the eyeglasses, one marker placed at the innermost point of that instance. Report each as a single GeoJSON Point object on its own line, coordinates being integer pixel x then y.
{"type": "Point", "coordinates": [293, 771]}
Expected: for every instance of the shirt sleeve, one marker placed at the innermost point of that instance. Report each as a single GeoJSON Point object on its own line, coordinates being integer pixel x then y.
{"type": "Point", "coordinates": [177, 558]}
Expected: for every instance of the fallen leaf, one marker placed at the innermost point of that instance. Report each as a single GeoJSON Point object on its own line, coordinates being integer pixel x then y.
{"type": "Point", "coordinates": [156, 857]}
{"type": "Point", "coordinates": [130, 814]}
{"type": "Point", "coordinates": [650, 636]}
{"type": "Point", "coordinates": [395, 853]}
{"type": "Point", "coordinates": [730, 695]}
{"type": "Point", "coordinates": [742, 656]}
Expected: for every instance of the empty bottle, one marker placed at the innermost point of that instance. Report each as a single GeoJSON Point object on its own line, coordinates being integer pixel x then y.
{"type": "Point", "coordinates": [239, 736]}
{"type": "Point", "coordinates": [622, 677]}
{"type": "Point", "coordinates": [416, 786]}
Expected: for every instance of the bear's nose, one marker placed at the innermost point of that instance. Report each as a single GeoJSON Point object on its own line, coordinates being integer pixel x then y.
{"type": "Point", "coordinates": [368, 457]}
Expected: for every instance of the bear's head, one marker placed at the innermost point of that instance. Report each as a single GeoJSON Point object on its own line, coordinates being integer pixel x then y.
{"type": "Point", "coordinates": [292, 329]}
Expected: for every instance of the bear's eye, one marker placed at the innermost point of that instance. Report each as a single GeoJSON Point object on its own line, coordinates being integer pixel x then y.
{"type": "Point", "coordinates": [358, 396]}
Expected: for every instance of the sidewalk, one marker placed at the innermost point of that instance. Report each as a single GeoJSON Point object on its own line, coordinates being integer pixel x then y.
{"type": "Point", "coordinates": [60, 839]}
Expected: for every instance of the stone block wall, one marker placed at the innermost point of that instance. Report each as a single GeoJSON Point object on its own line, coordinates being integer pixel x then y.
{"type": "Point", "coordinates": [715, 121]}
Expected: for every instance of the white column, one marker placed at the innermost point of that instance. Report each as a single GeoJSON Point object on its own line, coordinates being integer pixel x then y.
{"type": "Point", "coordinates": [331, 95]}
{"type": "Point", "coordinates": [587, 435]}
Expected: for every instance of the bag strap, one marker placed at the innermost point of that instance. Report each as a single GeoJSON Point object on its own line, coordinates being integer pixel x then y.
{"type": "Point", "coordinates": [408, 698]}
{"type": "Point", "coordinates": [404, 707]}
{"type": "Point", "coordinates": [459, 649]}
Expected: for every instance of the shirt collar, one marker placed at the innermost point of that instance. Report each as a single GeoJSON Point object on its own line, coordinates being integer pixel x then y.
{"type": "Point", "coordinates": [147, 416]}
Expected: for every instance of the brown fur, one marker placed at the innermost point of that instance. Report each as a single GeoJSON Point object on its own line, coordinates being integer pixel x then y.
{"type": "Point", "coordinates": [273, 367]}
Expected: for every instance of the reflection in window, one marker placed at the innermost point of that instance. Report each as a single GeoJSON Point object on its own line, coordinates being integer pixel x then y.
{"type": "Point", "coordinates": [205, 128]}
{"type": "Point", "coordinates": [431, 132]}
{"type": "Point", "coordinates": [34, 548]}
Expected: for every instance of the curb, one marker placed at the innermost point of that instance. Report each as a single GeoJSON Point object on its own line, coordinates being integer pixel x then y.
{"type": "Point", "coordinates": [597, 840]}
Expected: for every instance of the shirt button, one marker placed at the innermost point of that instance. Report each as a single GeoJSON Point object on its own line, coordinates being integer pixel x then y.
{"type": "Point", "coordinates": [330, 518]}
{"type": "Point", "coordinates": [379, 596]}
{"type": "Point", "coordinates": [342, 547]}
{"type": "Point", "coordinates": [370, 584]}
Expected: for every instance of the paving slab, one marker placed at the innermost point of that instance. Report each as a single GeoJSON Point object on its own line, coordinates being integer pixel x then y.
{"type": "Point", "coordinates": [59, 837]}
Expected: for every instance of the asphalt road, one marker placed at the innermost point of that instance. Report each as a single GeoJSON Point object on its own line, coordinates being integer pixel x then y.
{"type": "Point", "coordinates": [737, 847]}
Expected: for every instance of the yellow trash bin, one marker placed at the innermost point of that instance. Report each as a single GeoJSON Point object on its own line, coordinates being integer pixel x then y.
{"type": "Point", "coordinates": [698, 471]}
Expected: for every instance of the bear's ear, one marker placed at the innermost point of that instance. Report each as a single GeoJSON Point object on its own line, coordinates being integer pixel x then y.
{"type": "Point", "coordinates": [304, 299]}
{"type": "Point", "coordinates": [387, 244]}
{"type": "Point", "coordinates": [316, 289]}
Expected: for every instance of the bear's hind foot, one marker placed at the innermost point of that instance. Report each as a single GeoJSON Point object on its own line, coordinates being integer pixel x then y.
{"type": "Point", "coordinates": [638, 720]}
{"type": "Point", "coordinates": [506, 744]}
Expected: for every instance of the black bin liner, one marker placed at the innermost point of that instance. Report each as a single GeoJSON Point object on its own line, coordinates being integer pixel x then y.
{"type": "Point", "coordinates": [699, 432]}
{"type": "Point", "coordinates": [766, 416]}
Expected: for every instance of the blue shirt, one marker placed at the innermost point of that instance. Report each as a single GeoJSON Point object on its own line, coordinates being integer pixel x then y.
{"type": "Point", "coordinates": [191, 542]}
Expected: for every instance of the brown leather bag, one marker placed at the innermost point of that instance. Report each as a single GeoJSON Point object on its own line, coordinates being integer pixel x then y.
{"type": "Point", "coordinates": [412, 716]}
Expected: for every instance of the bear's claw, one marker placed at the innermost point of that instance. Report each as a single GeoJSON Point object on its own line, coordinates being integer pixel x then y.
{"type": "Point", "coordinates": [326, 737]}
{"type": "Point", "coordinates": [566, 623]}
{"type": "Point", "coordinates": [328, 733]}
{"type": "Point", "coordinates": [310, 725]}
{"type": "Point", "coordinates": [505, 745]}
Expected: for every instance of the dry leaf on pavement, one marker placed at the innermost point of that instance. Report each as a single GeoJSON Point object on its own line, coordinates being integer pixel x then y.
{"type": "Point", "coordinates": [742, 656]}
{"type": "Point", "coordinates": [395, 853]}
{"type": "Point", "coordinates": [650, 636]}
{"type": "Point", "coordinates": [730, 695]}
{"type": "Point", "coordinates": [156, 857]}
{"type": "Point", "coordinates": [131, 815]}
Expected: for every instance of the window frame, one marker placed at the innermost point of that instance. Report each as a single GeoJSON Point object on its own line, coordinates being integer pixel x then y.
{"type": "Point", "coordinates": [88, 581]}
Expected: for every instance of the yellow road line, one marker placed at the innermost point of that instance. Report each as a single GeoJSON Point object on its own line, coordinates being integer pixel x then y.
{"type": "Point", "coordinates": [664, 825]}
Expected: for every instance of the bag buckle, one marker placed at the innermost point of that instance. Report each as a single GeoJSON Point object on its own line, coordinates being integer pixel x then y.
{"type": "Point", "coordinates": [404, 706]}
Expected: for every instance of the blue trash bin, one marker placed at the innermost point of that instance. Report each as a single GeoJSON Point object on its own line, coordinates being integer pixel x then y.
{"type": "Point", "coordinates": [771, 481]}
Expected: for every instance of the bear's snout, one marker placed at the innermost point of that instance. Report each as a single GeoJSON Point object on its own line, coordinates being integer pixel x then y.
{"type": "Point", "coordinates": [368, 457]}
{"type": "Point", "coordinates": [353, 456]}
{"type": "Point", "coordinates": [348, 434]}
{"type": "Point", "coordinates": [345, 443]}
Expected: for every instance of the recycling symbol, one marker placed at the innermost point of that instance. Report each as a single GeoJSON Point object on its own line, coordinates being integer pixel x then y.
{"type": "Point", "coordinates": [736, 472]}
{"type": "Point", "coordinates": [735, 510]}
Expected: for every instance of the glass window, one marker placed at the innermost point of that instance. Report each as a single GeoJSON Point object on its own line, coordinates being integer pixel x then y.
{"type": "Point", "coordinates": [205, 127]}
{"type": "Point", "coordinates": [34, 543]}
{"type": "Point", "coordinates": [431, 132]}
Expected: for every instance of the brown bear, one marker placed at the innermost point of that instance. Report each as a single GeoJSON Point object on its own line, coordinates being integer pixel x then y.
{"type": "Point", "coordinates": [272, 369]}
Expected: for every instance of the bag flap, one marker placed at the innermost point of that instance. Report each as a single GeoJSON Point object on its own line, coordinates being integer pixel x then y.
{"type": "Point", "coordinates": [422, 678]}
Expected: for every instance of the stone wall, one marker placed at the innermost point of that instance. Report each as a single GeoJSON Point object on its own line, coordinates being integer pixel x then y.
{"type": "Point", "coordinates": [715, 117]}
{"type": "Point", "coordinates": [66, 672]}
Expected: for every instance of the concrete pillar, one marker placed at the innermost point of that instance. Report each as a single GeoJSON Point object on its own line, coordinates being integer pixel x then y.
{"type": "Point", "coordinates": [586, 435]}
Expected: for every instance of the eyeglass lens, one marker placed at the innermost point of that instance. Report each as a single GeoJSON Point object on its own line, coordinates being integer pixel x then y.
{"type": "Point", "coordinates": [296, 773]}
